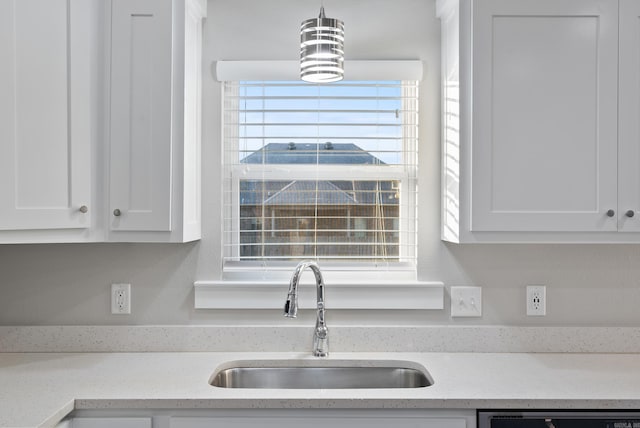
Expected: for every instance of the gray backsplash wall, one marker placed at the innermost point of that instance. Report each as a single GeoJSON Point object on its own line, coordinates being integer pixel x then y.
{"type": "Point", "coordinates": [70, 283]}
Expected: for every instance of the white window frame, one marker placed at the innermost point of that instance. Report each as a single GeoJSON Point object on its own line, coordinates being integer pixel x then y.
{"type": "Point", "coordinates": [394, 287]}
{"type": "Point", "coordinates": [406, 270]}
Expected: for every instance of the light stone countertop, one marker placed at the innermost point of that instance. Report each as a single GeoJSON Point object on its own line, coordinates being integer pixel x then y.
{"type": "Point", "coordinates": [39, 389]}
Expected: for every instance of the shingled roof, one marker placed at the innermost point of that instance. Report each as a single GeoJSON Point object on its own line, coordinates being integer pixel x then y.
{"type": "Point", "coordinates": [311, 153]}
{"type": "Point", "coordinates": [308, 192]}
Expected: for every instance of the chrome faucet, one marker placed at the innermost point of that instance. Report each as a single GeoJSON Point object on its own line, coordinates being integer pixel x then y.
{"type": "Point", "coordinates": [321, 333]}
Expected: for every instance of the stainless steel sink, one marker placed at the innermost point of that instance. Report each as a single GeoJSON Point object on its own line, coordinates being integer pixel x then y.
{"type": "Point", "coordinates": [325, 374]}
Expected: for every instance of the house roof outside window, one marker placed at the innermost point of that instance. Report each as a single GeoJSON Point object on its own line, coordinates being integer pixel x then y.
{"type": "Point", "coordinates": [309, 192]}
{"type": "Point", "coordinates": [308, 153]}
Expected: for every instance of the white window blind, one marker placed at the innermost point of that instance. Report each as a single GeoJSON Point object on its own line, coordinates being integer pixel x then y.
{"type": "Point", "coordinates": [326, 172]}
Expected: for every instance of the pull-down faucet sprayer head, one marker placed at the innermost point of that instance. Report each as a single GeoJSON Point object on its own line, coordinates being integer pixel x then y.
{"type": "Point", "coordinates": [291, 306]}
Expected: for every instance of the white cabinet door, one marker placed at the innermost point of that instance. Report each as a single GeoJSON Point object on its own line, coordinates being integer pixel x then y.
{"type": "Point", "coordinates": [278, 418]}
{"type": "Point", "coordinates": [45, 124]}
{"type": "Point", "coordinates": [141, 95]}
{"type": "Point", "coordinates": [317, 421]}
{"type": "Point", "coordinates": [66, 423]}
{"type": "Point", "coordinates": [629, 118]}
{"type": "Point", "coordinates": [156, 73]}
{"type": "Point", "coordinates": [114, 422]}
{"type": "Point", "coordinates": [544, 144]}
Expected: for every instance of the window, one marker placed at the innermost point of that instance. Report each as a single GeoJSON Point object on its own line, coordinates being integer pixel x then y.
{"type": "Point", "coordinates": [326, 172]}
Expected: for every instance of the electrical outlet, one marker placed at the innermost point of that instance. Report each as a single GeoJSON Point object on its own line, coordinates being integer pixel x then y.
{"type": "Point", "coordinates": [536, 300]}
{"type": "Point", "coordinates": [466, 301]}
{"type": "Point", "coordinates": [120, 299]}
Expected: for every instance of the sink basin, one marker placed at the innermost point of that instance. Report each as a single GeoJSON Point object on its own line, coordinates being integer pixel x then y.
{"type": "Point", "coordinates": [321, 374]}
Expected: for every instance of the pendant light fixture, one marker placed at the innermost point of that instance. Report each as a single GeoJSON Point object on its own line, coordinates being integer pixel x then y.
{"type": "Point", "coordinates": [322, 49]}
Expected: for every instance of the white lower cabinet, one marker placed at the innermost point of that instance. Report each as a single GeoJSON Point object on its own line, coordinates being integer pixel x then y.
{"type": "Point", "coordinates": [108, 422]}
{"type": "Point", "coordinates": [318, 420]}
{"type": "Point", "coordinates": [65, 423]}
{"type": "Point", "coordinates": [277, 418]}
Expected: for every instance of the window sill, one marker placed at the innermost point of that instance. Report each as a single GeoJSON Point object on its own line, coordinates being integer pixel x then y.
{"type": "Point", "coordinates": [227, 294]}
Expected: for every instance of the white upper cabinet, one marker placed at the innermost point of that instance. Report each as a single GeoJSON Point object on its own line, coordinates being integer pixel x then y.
{"type": "Point", "coordinates": [100, 114]}
{"type": "Point", "coordinates": [629, 118]}
{"type": "Point", "coordinates": [48, 57]}
{"type": "Point", "coordinates": [544, 115]}
{"type": "Point", "coordinates": [140, 170]}
{"type": "Point", "coordinates": [155, 114]}
{"type": "Point", "coordinates": [531, 123]}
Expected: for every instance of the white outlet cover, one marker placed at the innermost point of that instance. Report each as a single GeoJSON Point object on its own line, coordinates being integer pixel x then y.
{"type": "Point", "coordinates": [466, 301]}
{"type": "Point", "coordinates": [121, 299]}
{"type": "Point", "coordinates": [536, 300]}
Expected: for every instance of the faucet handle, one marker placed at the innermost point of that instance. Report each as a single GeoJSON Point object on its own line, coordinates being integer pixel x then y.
{"type": "Point", "coordinates": [321, 341]}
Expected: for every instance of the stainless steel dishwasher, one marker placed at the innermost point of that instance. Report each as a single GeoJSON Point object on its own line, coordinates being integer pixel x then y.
{"type": "Point", "coordinates": [558, 419]}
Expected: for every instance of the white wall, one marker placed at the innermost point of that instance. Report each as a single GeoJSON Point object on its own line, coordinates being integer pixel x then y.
{"type": "Point", "coordinates": [69, 284]}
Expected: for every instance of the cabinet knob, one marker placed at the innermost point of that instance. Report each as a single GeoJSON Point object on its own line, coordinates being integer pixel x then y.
{"type": "Point", "coordinates": [83, 209]}
{"type": "Point", "coordinates": [117, 212]}
{"type": "Point", "coordinates": [611, 213]}
{"type": "Point", "coordinates": [630, 213]}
